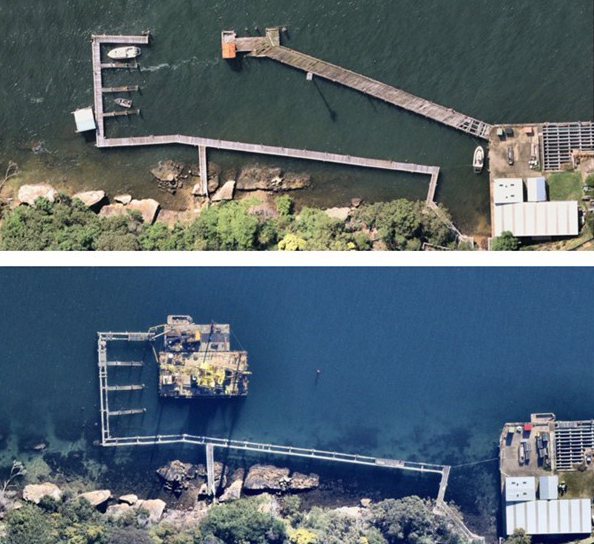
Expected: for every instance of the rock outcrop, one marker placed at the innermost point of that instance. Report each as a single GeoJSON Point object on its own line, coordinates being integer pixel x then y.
{"type": "Point", "coordinates": [267, 478]}
{"type": "Point", "coordinates": [338, 213]}
{"type": "Point", "coordinates": [123, 199]}
{"type": "Point", "coordinates": [29, 193]}
{"type": "Point", "coordinates": [225, 192]}
{"type": "Point", "coordinates": [35, 492]}
{"type": "Point", "coordinates": [233, 492]}
{"type": "Point", "coordinates": [304, 482]}
{"type": "Point", "coordinates": [96, 498]}
{"type": "Point", "coordinates": [90, 198]}
{"type": "Point", "coordinates": [129, 499]}
{"type": "Point", "coordinates": [148, 208]}
{"type": "Point", "coordinates": [176, 475]}
{"type": "Point", "coordinates": [154, 507]}
{"type": "Point", "coordinates": [167, 171]}
{"type": "Point", "coordinates": [270, 179]}
{"type": "Point", "coordinates": [112, 210]}
{"type": "Point", "coordinates": [116, 511]}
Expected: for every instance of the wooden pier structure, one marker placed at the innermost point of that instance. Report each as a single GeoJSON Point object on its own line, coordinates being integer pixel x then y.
{"type": "Point", "coordinates": [210, 443]}
{"type": "Point", "coordinates": [257, 46]}
{"type": "Point", "coordinates": [270, 47]}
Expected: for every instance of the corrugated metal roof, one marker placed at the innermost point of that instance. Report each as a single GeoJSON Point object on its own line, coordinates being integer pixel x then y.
{"type": "Point", "coordinates": [520, 489]}
{"type": "Point", "coordinates": [508, 190]}
{"type": "Point", "coordinates": [556, 517]}
{"type": "Point", "coordinates": [548, 488]}
{"type": "Point", "coordinates": [537, 189]}
{"type": "Point", "coordinates": [538, 218]}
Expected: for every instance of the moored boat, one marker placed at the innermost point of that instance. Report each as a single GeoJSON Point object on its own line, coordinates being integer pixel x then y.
{"type": "Point", "coordinates": [124, 53]}
{"type": "Point", "coordinates": [124, 102]}
{"type": "Point", "coordinates": [478, 160]}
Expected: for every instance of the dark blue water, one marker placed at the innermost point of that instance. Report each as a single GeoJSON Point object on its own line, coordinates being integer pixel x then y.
{"type": "Point", "coordinates": [416, 363]}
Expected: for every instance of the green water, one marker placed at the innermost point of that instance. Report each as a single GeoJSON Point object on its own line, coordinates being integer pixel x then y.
{"type": "Point", "coordinates": [499, 61]}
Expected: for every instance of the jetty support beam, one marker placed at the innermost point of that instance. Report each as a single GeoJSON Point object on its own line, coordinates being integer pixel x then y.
{"type": "Point", "coordinates": [210, 483]}
{"type": "Point", "coordinates": [203, 170]}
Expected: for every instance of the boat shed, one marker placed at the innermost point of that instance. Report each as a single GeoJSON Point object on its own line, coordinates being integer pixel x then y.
{"type": "Point", "coordinates": [536, 219]}
{"type": "Point", "coordinates": [548, 488]}
{"type": "Point", "coordinates": [508, 191]}
{"type": "Point", "coordinates": [557, 517]}
{"type": "Point", "coordinates": [537, 189]}
{"type": "Point", "coordinates": [520, 489]}
{"type": "Point", "coordinates": [84, 119]}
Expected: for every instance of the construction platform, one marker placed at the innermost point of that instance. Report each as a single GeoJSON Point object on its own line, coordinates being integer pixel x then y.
{"type": "Point", "coordinates": [196, 361]}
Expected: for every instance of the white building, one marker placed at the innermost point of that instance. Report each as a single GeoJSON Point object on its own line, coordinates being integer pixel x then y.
{"type": "Point", "coordinates": [558, 218]}
{"type": "Point", "coordinates": [508, 190]}
{"type": "Point", "coordinates": [84, 119]}
{"type": "Point", "coordinates": [537, 189]}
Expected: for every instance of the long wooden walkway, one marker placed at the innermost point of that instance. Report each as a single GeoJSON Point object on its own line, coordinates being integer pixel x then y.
{"type": "Point", "coordinates": [371, 87]}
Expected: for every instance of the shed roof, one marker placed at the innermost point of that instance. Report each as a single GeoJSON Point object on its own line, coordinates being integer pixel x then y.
{"type": "Point", "coordinates": [537, 189]}
{"type": "Point", "coordinates": [558, 218]}
{"type": "Point", "coordinates": [508, 190]}
{"type": "Point", "coordinates": [84, 119]}
{"type": "Point", "coordinates": [556, 517]}
{"type": "Point", "coordinates": [548, 487]}
{"type": "Point", "coordinates": [520, 489]}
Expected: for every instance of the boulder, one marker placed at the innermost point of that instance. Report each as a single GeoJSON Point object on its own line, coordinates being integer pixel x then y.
{"type": "Point", "coordinates": [123, 199]}
{"type": "Point", "coordinates": [225, 192]}
{"type": "Point", "coordinates": [356, 202]}
{"type": "Point", "coordinates": [129, 499]}
{"type": "Point", "coordinates": [266, 477]}
{"type": "Point", "coordinates": [112, 210]}
{"type": "Point", "coordinates": [167, 171]}
{"type": "Point", "coordinates": [116, 511]}
{"type": "Point", "coordinates": [304, 482]}
{"type": "Point", "coordinates": [35, 492]}
{"type": "Point", "coordinates": [90, 198]}
{"type": "Point", "coordinates": [213, 183]}
{"type": "Point", "coordinates": [338, 213]}
{"type": "Point", "coordinates": [176, 475]}
{"type": "Point", "coordinates": [148, 208]}
{"type": "Point", "coordinates": [154, 507]}
{"type": "Point", "coordinates": [365, 503]}
{"type": "Point", "coordinates": [185, 519]}
{"type": "Point", "coordinates": [197, 189]}
{"type": "Point", "coordinates": [29, 193]}
{"type": "Point", "coordinates": [233, 492]}
{"type": "Point", "coordinates": [96, 498]}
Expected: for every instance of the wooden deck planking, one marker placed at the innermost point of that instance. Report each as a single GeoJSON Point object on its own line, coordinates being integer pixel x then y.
{"type": "Point", "coordinates": [387, 93]}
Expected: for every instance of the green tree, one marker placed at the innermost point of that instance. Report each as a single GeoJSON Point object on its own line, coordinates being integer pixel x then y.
{"type": "Point", "coordinates": [321, 232]}
{"type": "Point", "coordinates": [284, 205]}
{"type": "Point", "coordinates": [519, 537]}
{"type": "Point", "coordinates": [505, 242]}
{"type": "Point", "coordinates": [411, 521]}
{"type": "Point", "coordinates": [334, 528]}
{"type": "Point", "coordinates": [28, 524]}
{"type": "Point", "coordinates": [241, 522]}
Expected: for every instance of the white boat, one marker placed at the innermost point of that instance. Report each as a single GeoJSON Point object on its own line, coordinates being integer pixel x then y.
{"type": "Point", "coordinates": [478, 160]}
{"type": "Point", "coordinates": [124, 102]}
{"type": "Point", "coordinates": [124, 53]}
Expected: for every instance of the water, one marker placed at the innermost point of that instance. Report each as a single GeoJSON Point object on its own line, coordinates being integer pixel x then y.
{"type": "Point", "coordinates": [422, 364]}
{"type": "Point", "coordinates": [505, 61]}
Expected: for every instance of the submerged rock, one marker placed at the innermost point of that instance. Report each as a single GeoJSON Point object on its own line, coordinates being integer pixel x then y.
{"type": "Point", "coordinates": [90, 198]}
{"type": "Point", "coordinates": [266, 478]}
{"type": "Point", "coordinates": [96, 498]}
{"type": "Point", "coordinates": [167, 171]}
{"type": "Point", "coordinates": [35, 492]}
{"type": "Point", "coordinates": [225, 192]}
{"type": "Point", "coordinates": [271, 179]}
{"type": "Point", "coordinates": [148, 208]}
{"type": "Point", "coordinates": [29, 193]}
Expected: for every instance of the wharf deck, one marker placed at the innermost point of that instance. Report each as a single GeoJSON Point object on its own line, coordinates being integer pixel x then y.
{"type": "Point", "coordinates": [371, 87]}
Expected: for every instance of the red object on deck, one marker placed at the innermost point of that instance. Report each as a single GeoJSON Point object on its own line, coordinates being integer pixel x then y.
{"type": "Point", "coordinates": [527, 427]}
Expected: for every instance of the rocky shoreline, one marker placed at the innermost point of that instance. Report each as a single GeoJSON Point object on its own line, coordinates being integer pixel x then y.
{"type": "Point", "coordinates": [176, 178]}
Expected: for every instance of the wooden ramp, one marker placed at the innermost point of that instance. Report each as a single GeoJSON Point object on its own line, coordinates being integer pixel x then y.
{"type": "Point", "coordinates": [368, 86]}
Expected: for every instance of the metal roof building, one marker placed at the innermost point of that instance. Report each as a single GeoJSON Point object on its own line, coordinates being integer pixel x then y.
{"type": "Point", "coordinates": [558, 517]}
{"type": "Point", "coordinates": [508, 190]}
{"type": "Point", "coordinates": [520, 489]}
{"type": "Point", "coordinates": [548, 488]}
{"type": "Point", "coordinates": [559, 218]}
{"type": "Point", "coordinates": [84, 119]}
{"type": "Point", "coordinates": [537, 189]}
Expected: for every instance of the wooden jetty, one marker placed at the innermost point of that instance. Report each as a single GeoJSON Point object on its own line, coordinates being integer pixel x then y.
{"type": "Point", "coordinates": [124, 89]}
{"type": "Point", "coordinates": [263, 47]}
{"type": "Point", "coordinates": [122, 113]}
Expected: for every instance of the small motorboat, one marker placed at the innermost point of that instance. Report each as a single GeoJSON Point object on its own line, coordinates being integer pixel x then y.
{"type": "Point", "coordinates": [124, 53]}
{"type": "Point", "coordinates": [510, 155]}
{"type": "Point", "coordinates": [124, 102]}
{"type": "Point", "coordinates": [478, 160]}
